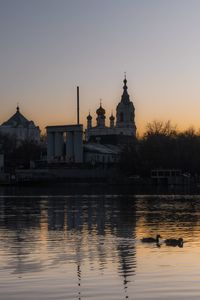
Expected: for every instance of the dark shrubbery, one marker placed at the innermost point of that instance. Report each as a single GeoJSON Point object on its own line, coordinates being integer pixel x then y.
{"type": "Point", "coordinates": [162, 146]}
{"type": "Point", "coordinates": [18, 154]}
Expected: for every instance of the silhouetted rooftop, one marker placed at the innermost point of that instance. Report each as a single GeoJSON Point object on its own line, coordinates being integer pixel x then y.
{"type": "Point", "coordinates": [17, 119]}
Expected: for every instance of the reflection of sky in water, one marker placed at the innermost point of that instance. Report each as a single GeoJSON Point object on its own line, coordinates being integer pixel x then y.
{"type": "Point", "coordinates": [81, 247]}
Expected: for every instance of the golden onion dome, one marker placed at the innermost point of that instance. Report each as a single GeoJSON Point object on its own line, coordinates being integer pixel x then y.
{"type": "Point", "coordinates": [100, 111]}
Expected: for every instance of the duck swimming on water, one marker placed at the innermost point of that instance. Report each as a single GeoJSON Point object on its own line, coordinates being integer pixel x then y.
{"type": "Point", "coordinates": [174, 242]}
{"type": "Point", "coordinates": [151, 239]}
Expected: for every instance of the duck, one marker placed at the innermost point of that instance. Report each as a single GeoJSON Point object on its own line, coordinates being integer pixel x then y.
{"type": "Point", "coordinates": [151, 239]}
{"type": "Point", "coordinates": [174, 242]}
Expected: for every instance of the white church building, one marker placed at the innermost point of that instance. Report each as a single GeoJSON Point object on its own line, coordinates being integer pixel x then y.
{"type": "Point", "coordinates": [20, 127]}
{"type": "Point", "coordinates": [102, 144]}
{"type": "Point", "coordinates": [125, 120]}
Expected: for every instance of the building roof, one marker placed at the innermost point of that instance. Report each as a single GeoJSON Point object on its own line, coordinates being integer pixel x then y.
{"type": "Point", "coordinates": [17, 119]}
{"type": "Point", "coordinates": [103, 149]}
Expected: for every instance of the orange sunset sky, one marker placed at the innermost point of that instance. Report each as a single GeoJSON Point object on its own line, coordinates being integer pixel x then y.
{"type": "Point", "coordinates": [49, 47]}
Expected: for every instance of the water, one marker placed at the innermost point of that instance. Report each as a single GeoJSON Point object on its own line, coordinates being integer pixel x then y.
{"type": "Point", "coordinates": [88, 247]}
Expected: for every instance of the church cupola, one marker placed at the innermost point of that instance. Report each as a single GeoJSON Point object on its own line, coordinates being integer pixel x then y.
{"type": "Point", "coordinates": [89, 121]}
{"type": "Point", "coordinates": [100, 116]}
{"type": "Point", "coordinates": [100, 110]}
{"type": "Point", "coordinates": [112, 121]}
{"type": "Point", "coordinates": [125, 96]}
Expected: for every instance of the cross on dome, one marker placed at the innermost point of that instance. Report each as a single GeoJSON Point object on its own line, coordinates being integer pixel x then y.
{"type": "Point", "coordinates": [17, 108]}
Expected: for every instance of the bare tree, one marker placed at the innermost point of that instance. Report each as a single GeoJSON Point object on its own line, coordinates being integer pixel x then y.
{"type": "Point", "coordinates": [160, 128]}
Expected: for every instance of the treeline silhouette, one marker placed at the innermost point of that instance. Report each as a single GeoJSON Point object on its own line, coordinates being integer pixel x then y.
{"type": "Point", "coordinates": [162, 147]}
{"type": "Point", "coordinates": [18, 154]}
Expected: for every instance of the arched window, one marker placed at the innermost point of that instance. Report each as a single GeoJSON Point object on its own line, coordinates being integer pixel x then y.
{"type": "Point", "coordinates": [121, 117]}
{"type": "Point", "coordinates": [131, 117]}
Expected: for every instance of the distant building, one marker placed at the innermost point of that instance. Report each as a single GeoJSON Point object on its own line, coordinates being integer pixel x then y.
{"type": "Point", "coordinates": [65, 143]}
{"type": "Point", "coordinates": [124, 128]}
{"type": "Point", "coordinates": [21, 128]}
{"type": "Point", "coordinates": [103, 144]}
{"type": "Point", "coordinates": [95, 153]}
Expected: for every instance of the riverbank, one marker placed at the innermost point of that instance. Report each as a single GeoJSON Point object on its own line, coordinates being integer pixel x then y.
{"type": "Point", "coordinates": [102, 179]}
{"type": "Point", "coordinates": [57, 188]}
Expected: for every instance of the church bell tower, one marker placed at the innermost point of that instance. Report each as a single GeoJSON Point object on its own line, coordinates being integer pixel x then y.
{"type": "Point", "coordinates": [125, 113]}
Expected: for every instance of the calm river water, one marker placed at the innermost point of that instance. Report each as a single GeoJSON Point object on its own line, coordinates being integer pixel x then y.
{"type": "Point", "coordinates": [89, 246]}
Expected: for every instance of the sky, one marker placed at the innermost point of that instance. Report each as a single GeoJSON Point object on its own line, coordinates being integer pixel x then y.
{"type": "Point", "coordinates": [48, 47]}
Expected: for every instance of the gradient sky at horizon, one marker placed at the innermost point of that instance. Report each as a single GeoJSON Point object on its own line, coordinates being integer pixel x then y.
{"type": "Point", "coordinates": [48, 47]}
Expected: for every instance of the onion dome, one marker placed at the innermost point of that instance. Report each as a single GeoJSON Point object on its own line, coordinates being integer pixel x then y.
{"type": "Point", "coordinates": [89, 117]}
{"type": "Point", "coordinates": [100, 110]}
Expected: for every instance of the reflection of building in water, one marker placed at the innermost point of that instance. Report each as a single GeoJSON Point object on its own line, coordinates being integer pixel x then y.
{"type": "Point", "coordinates": [98, 240]}
{"type": "Point", "coordinates": [56, 214]}
{"type": "Point", "coordinates": [111, 221]}
{"type": "Point", "coordinates": [127, 237]}
{"type": "Point", "coordinates": [98, 245]}
{"type": "Point", "coordinates": [51, 232]}
{"type": "Point", "coordinates": [79, 281]}
{"type": "Point", "coordinates": [20, 221]}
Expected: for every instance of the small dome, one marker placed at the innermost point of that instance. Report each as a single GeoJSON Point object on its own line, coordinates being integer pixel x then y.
{"type": "Point", "coordinates": [100, 111]}
{"type": "Point", "coordinates": [89, 117]}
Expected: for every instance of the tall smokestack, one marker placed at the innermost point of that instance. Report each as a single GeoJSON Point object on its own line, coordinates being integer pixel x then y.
{"type": "Point", "coordinates": [78, 105]}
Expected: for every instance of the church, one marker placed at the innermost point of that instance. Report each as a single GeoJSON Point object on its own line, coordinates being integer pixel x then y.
{"type": "Point", "coordinates": [104, 143]}
{"type": "Point", "coordinates": [20, 127]}
{"type": "Point", "coordinates": [118, 132]}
